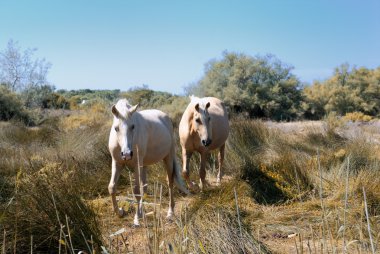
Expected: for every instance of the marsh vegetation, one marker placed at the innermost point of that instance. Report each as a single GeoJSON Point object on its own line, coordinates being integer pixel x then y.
{"type": "Point", "coordinates": [301, 179]}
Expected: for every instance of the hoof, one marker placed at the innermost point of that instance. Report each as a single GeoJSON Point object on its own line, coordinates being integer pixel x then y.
{"type": "Point", "coordinates": [170, 218]}
{"type": "Point", "coordinates": [136, 223]}
{"type": "Point", "coordinates": [121, 212]}
{"type": "Point", "coordinates": [193, 187]}
{"type": "Point", "coordinates": [170, 215]}
{"type": "Point", "coordinates": [204, 186]}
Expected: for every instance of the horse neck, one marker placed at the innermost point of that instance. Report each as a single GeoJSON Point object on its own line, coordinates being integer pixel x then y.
{"type": "Point", "coordinates": [189, 119]}
{"type": "Point", "coordinates": [138, 120]}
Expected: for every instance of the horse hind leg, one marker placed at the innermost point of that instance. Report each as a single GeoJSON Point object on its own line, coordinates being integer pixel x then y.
{"type": "Point", "coordinates": [220, 164]}
{"type": "Point", "coordinates": [169, 164]}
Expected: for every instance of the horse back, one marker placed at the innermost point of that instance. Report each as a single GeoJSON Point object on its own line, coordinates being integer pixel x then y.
{"type": "Point", "coordinates": [219, 122]}
{"type": "Point", "coordinates": [156, 135]}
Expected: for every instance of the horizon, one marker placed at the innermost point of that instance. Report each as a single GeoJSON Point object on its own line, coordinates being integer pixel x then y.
{"type": "Point", "coordinates": [120, 45]}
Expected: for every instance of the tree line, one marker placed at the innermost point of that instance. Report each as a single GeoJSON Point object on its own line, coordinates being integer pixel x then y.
{"type": "Point", "coordinates": [250, 86]}
{"type": "Point", "coordinates": [264, 87]}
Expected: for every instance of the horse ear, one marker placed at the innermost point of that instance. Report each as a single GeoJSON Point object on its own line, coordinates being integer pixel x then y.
{"type": "Point", "coordinates": [197, 107]}
{"type": "Point", "coordinates": [133, 109]}
{"type": "Point", "coordinates": [115, 112]}
{"type": "Point", "coordinates": [207, 105]}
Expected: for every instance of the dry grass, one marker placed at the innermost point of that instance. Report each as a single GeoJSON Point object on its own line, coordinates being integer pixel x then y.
{"type": "Point", "coordinates": [61, 170]}
{"type": "Point", "coordinates": [338, 156]}
{"type": "Point", "coordinates": [42, 198]}
{"type": "Point", "coordinates": [214, 222]}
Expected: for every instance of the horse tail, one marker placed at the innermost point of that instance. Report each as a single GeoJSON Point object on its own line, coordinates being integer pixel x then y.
{"type": "Point", "coordinates": [178, 180]}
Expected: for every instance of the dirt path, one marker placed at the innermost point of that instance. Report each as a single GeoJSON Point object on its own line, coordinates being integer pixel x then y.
{"type": "Point", "coordinates": [123, 237]}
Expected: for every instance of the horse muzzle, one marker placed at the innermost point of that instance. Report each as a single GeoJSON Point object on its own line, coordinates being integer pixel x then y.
{"type": "Point", "coordinates": [126, 155]}
{"type": "Point", "coordinates": [205, 142]}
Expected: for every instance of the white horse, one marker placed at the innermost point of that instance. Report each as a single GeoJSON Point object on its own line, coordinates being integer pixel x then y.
{"type": "Point", "coordinates": [152, 132]}
{"type": "Point", "coordinates": [204, 127]}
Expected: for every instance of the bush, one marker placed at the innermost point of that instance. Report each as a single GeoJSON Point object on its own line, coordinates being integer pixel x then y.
{"type": "Point", "coordinates": [55, 101]}
{"type": "Point", "coordinates": [37, 96]}
{"type": "Point", "coordinates": [347, 90]}
{"type": "Point", "coordinates": [11, 107]}
{"type": "Point", "coordinates": [74, 98]}
{"type": "Point", "coordinates": [357, 117]}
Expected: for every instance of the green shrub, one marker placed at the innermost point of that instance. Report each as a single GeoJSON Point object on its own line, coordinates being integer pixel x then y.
{"type": "Point", "coordinates": [11, 107]}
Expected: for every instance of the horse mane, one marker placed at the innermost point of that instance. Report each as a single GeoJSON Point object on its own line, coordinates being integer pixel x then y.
{"type": "Point", "coordinates": [122, 105]}
{"type": "Point", "coordinates": [191, 108]}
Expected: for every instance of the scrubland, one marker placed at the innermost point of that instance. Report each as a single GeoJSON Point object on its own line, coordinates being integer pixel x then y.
{"type": "Point", "coordinates": [290, 187]}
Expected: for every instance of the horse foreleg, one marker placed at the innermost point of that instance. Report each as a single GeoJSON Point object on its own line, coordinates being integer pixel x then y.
{"type": "Point", "coordinates": [138, 191]}
{"type": "Point", "coordinates": [202, 171]}
{"type": "Point", "coordinates": [220, 164]}
{"type": "Point", "coordinates": [113, 186]}
{"type": "Point", "coordinates": [185, 166]}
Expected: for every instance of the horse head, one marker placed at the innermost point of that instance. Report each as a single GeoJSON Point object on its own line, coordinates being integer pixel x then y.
{"type": "Point", "coordinates": [202, 122]}
{"type": "Point", "coordinates": [124, 127]}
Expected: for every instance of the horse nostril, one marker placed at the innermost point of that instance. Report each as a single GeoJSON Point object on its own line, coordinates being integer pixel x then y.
{"type": "Point", "coordinates": [122, 154]}
{"type": "Point", "coordinates": [204, 142]}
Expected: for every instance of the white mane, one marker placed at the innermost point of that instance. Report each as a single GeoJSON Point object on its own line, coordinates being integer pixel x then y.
{"type": "Point", "coordinates": [122, 106]}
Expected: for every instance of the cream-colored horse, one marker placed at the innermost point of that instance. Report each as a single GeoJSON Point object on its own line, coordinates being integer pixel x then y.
{"type": "Point", "coordinates": [204, 127]}
{"type": "Point", "coordinates": [152, 132]}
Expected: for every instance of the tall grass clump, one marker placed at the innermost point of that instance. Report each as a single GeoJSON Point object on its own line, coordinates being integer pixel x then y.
{"type": "Point", "coordinates": [85, 153]}
{"type": "Point", "coordinates": [216, 230]}
{"type": "Point", "coordinates": [46, 173]}
{"type": "Point", "coordinates": [268, 161]}
{"type": "Point", "coordinates": [45, 206]}
{"type": "Point", "coordinates": [216, 222]}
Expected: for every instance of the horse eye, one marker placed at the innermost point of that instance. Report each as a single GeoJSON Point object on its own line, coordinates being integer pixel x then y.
{"type": "Point", "coordinates": [116, 129]}
{"type": "Point", "coordinates": [132, 127]}
{"type": "Point", "coordinates": [198, 120]}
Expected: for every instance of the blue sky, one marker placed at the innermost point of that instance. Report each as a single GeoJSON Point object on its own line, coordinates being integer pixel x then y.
{"type": "Point", "coordinates": [165, 44]}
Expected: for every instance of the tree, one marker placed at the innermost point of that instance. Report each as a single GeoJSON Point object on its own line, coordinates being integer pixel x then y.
{"type": "Point", "coordinates": [19, 70]}
{"type": "Point", "coordinates": [258, 86]}
{"type": "Point", "coordinates": [347, 90]}
{"type": "Point", "coordinates": [37, 96]}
